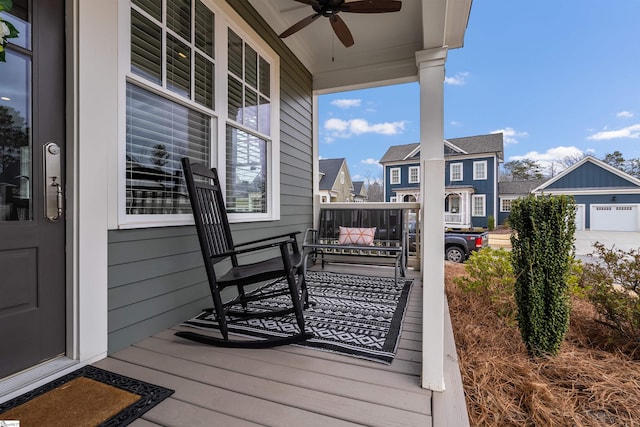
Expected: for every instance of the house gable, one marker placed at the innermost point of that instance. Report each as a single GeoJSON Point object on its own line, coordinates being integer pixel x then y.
{"type": "Point", "coordinates": [590, 173]}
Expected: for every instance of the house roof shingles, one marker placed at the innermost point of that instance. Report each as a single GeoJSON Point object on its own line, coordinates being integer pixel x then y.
{"type": "Point", "coordinates": [490, 143]}
{"type": "Point", "coordinates": [330, 168]}
{"type": "Point", "coordinates": [519, 187]}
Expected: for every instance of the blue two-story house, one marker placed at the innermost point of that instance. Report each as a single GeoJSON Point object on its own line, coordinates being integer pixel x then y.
{"type": "Point", "coordinates": [471, 178]}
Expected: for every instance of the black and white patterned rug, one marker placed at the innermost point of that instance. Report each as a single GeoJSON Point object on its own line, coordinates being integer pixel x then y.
{"type": "Point", "coordinates": [356, 315]}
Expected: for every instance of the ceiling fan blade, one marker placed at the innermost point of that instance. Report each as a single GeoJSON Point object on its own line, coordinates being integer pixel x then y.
{"type": "Point", "coordinates": [300, 25]}
{"type": "Point", "coordinates": [372, 6]}
{"type": "Point", "coordinates": [309, 2]}
{"type": "Point", "coordinates": [341, 30]}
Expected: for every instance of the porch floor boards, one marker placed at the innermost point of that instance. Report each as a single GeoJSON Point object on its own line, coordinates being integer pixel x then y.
{"type": "Point", "coordinates": [282, 386]}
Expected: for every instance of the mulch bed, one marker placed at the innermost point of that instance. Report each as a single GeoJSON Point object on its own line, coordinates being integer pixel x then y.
{"type": "Point", "coordinates": [594, 381]}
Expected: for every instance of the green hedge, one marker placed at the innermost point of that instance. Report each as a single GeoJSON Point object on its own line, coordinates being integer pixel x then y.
{"type": "Point", "coordinates": [542, 243]}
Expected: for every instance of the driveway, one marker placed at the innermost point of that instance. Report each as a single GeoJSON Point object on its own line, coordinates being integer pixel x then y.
{"type": "Point", "coordinates": [624, 240]}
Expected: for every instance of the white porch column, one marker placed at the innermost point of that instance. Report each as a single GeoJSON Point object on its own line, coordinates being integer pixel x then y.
{"type": "Point", "coordinates": [431, 77]}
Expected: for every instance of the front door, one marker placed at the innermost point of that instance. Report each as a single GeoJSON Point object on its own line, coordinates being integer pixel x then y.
{"type": "Point", "coordinates": [32, 230]}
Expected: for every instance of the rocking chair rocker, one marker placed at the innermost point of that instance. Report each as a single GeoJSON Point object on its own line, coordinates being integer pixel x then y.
{"type": "Point", "coordinates": [217, 245]}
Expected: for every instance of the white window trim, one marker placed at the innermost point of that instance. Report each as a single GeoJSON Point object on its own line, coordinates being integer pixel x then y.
{"type": "Point", "coordinates": [393, 199]}
{"type": "Point", "coordinates": [341, 177]}
{"type": "Point", "coordinates": [391, 179]}
{"type": "Point", "coordinates": [417, 170]}
{"type": "Point", "coordinates": [226, 18]}
{"type": "Point", "coordinates": [457, 165]}
{"type": "Point", "coordinates": [482, 198]}
{"type": "Point", "coordinates": [503, 199]}
{"type": "Point", "coordinates": [476, 170]}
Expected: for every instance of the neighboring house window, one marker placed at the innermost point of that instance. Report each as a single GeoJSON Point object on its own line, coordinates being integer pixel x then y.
{"type": "Point", "coordinates": [505, 205]}
{"type": "Point", "coordinates": [395, 175]}
{"type": "Point", "coordinates": [480, 170]}
{"type": "Point", "coordinates": [341, 177]}
{"type": "Point", "coordinates": [174, 111]}
{"type": "Point", "coordinates": [393, 199]}
{"type": "Point", "coordinates": [414, 174]}
{"type": "Point", "coordinates": [478, 205]}
{"type": "Point", "coordinates": [455, 172]}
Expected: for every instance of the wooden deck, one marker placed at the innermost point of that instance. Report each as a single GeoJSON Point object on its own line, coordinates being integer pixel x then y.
{"type": "Point", "coordinates": [283, 386]}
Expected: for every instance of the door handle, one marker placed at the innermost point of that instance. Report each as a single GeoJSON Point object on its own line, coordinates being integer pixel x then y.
{"type": "Point", "coordinates": [53, 184]}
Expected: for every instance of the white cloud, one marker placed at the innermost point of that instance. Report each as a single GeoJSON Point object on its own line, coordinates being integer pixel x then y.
{"type": "Point", "coordinates": [632, 131]}
{"type": "Point", "coordinates": [510, 135]}
{"type": "Point", "coordinates": [371, 161]}
{"type": "Point", "coordinates": [455, 123]}
{"type": "Point", "coordinates": [346, 128]}
{"type": "Point", "coordinates": [458, 79]}
{"type": "Point", "coordinates": [625, 114]}
{"type": "Point", "coordinates": [553, 157]}
{"type": "Point", "coordinates": [346, 103]}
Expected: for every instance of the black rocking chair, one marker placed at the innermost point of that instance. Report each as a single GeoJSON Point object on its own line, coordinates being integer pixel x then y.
{"type": "Point", "coordinates": [217, 245]}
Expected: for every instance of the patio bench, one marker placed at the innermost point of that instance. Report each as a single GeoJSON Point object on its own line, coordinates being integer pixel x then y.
{"type": "Point", "coordinates": [358, 235]}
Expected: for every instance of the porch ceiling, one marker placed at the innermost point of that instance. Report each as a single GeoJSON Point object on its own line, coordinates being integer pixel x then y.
{"type": "Point", "coordinates": [385, 44]}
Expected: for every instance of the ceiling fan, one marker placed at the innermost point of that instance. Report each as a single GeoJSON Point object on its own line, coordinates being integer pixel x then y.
{"type": "Point", "coordinates": [331, 8]}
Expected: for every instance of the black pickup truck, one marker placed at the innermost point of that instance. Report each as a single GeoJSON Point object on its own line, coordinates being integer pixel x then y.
{"type": "Point", "coordinates": [458, 245]}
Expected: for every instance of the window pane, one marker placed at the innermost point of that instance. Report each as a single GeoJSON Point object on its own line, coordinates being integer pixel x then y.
{"type": "Point", "coordinates": [146, 48]}
{"type": "Point", "coordinates": [204, 79]}
{"type": "Point", "coordinates": [16, 201]}
{"type": "Point", "coordinates": [204, 29]}
{"type": "Point", "coordinates": [178, 67]}
{"type": "Point", "coordinates": [152, 7]}
{"type": "Point", "coordinates": [250, 108]}
{"type": "Point", "coordinates": [251, 67]}
{"type": "Point", "coordinates": [265, 78]}
{"type": "Point", "coordinates": [246, 172]}
{"type": "Point", "coordinates": [235, 99]}
{"type": "Point", "coordinates": [235, 54]}
{"type": "Point", "coordinates": [179, 18]}
{"type": "Point", "coordinates": [158, 134]}
{"type": "Point", "coordinates": [264, 116]}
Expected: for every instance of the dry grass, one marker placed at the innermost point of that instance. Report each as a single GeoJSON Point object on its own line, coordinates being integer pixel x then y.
{"type": "Point", "coordinates": [595, 381]}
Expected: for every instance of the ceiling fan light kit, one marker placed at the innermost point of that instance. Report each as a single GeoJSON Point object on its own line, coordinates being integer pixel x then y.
{"type": "Point", "coordinates": [331, 8]}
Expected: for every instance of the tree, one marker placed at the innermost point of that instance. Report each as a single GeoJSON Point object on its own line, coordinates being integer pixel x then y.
{"type": "Point", "coordinates": [521, 170]}
{"type": "Point", "coordinates": [615, 159]}
{"type": "Point", "coordinates": [375, 192]}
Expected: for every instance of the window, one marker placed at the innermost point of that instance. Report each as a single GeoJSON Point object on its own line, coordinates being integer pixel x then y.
{"type": "Point", "coordinates": [393, 199]}
{"type": "Point", "coordinates": [395, 175]}
{"type": "Point", "coordinates": [455, 172]}
{"type": "Point", "coordinates": [341, 177]}
{"type": "Point", "coordinates": [505, 205]}
{"type": "Point", "coordinates": [181, 101]}
{"type": "Point", "coordinates": [480, 170]}
{"type": "Point", "coordinates": [414, 174]}
{"type": "Point", "coordinates": [248, 122]}
{"type": "Point", "coordinates": [478, 205]}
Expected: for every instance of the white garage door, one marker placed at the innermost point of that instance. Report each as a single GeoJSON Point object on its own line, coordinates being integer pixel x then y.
{"type": "Point", "coordinates": [614, 217]}
{"type": "Point", "coordinates": [579, 217]}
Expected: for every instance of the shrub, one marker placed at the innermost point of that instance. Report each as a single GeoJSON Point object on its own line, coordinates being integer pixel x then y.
{"type": "Point", "coordinates": [490, 275]}
{"type": "Point", "coordinates": [491, 223]}
{"type": "Point", "coordinates": [613, 287]}
{"type": "Point", "coordinates": [542, 246]}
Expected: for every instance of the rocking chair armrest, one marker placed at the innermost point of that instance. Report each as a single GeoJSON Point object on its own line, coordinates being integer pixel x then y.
{"type": "Point", "coordinates": [314, 236]}
{"type": "Point", "coordinates": [291, 235]}
{"type": "Point", "coordinates": [255, 248]}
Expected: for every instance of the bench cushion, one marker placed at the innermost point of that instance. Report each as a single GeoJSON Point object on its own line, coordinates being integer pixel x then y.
{"type": "Point", "coordinates": [356, 236]}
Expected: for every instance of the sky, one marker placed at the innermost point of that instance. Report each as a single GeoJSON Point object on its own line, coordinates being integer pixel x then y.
{"type": "Point", "coordinates": [557, 78]}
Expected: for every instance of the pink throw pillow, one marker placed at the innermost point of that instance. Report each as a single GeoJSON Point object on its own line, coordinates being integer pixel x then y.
{"type": "Point", "coordinates": [356, 236]}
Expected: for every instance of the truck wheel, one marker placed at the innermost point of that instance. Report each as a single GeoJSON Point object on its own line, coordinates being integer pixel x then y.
{"type": "Point", "coordinates": [455, 254]}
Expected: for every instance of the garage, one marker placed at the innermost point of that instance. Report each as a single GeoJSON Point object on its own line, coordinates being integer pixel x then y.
{"type": "Point", "coordinates": [579, 217]}
{"type": "Point", "coordinates": [614, 217]}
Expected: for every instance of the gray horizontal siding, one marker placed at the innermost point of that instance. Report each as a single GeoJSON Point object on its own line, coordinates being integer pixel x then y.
{"type": "Point", "coordinates": [156, 277]}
